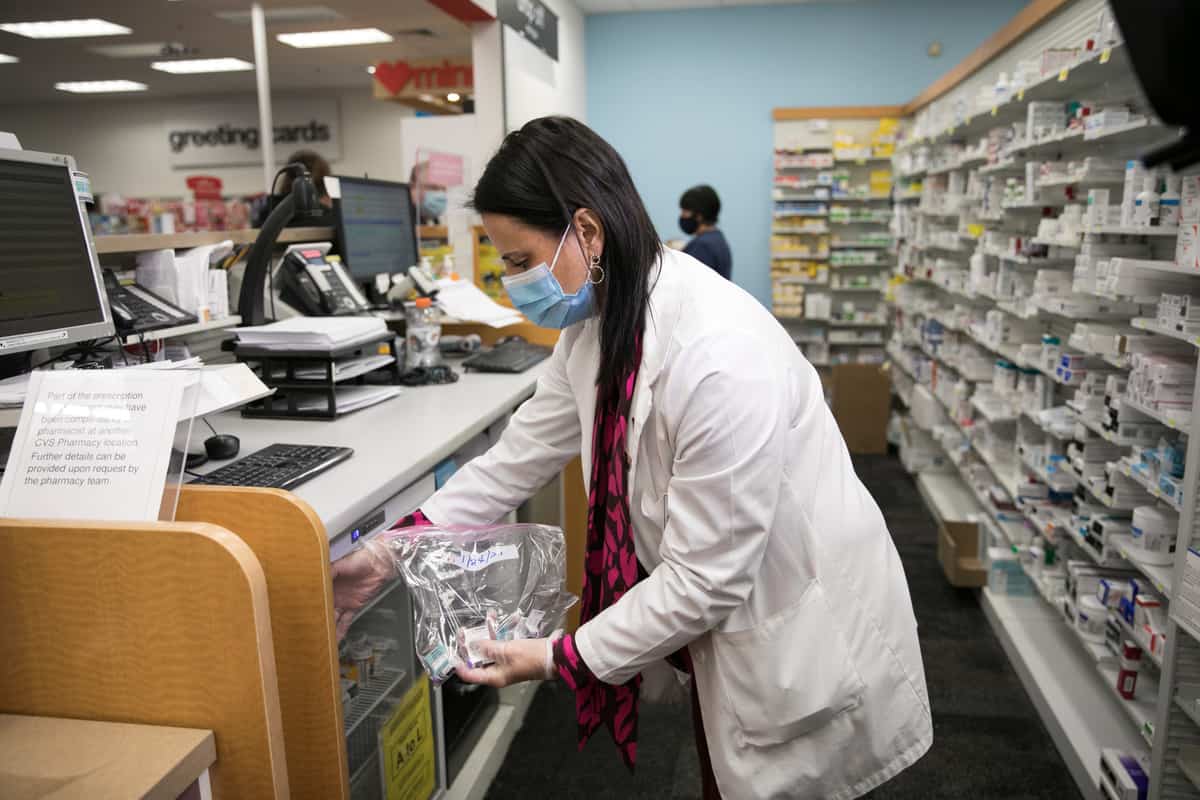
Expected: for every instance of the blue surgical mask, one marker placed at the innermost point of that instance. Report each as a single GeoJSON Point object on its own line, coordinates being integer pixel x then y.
{"type": "Point", "coordinates": [433, 204]}
{"type": "Point", "coordinates": [539, 296]}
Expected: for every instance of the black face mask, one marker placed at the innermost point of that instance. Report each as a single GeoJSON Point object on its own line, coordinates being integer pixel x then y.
{"type": "Point", "coordinates": [689, 225]}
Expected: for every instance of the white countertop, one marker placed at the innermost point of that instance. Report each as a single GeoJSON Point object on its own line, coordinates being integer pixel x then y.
{"type": "Point", "coordinates": [395, 442]}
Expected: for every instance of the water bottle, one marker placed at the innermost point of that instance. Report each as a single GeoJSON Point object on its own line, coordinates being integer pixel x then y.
{"type": "Point", "coordinates": [423, 334]}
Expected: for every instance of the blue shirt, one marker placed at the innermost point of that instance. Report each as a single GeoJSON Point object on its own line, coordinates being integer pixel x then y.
{"type": "Point", "coordinates": [711, 248]}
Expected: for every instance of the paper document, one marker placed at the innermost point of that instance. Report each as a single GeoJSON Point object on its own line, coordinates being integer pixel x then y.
{"type": "Point", "coordinates": [316, 333]}
{"type": "Point", "coordinates": [14, 389]}
{"type": "Point", "coordinates": [350, 398]}
{"type": "Point", "coordinates": [93, 444]}
{"type": "Point", "coordinates": [343, 368]}
{"type": "Point", "coordinates": [211, 389]}
{"type": "Point", "coordinates": [156, 272]}
{"type": "Point", "coordinates": [225, 386]}
{"type": "Point", "coordinates": [194, 362]}
{"type": "Point", "coordinates": [192, 269]}
{"type": "Point", "coordinates": [465, 301]}
{"type": "Point", "coordinates": [218, 293]}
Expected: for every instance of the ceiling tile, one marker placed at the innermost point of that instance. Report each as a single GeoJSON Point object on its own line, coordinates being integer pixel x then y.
{"type": "Point", "coordinates": [195, 25]}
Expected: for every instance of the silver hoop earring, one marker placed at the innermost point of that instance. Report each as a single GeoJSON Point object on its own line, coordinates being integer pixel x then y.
{"type": "Point", "coordinates": [593, 269]}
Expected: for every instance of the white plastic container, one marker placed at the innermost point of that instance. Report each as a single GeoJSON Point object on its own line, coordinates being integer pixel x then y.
{"type": "Point", "coordinates": [1147, 203]}
{"type": "Point", "coordinates": [1091, 618]}
{"type": "Point", "coordinates": [1135, 176]}
{"type": "Point", "coordinates": [1097, 206]}
{"type": "Point", "coordinates": [1005, 377]}
{"type": "Point", "coordinates": [1154, 530]}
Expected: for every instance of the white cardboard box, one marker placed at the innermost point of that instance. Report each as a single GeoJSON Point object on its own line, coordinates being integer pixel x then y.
{"type": "Point", "coordinates": [1187, 246]}
{"type": "Point", "coordinates": [1189, 195]}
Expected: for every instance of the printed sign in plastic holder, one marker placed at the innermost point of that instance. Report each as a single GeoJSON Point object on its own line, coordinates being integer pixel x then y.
{"type": "Point", "coordinates": [181, 442]}
{"type": "Point", "coordinates": [98, 444]}
{"type": "Point", "coordinates": [407, 758]}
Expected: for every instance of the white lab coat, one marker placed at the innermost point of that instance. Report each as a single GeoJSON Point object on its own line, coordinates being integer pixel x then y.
{"type": "Point", "coordinates": [767, 556]}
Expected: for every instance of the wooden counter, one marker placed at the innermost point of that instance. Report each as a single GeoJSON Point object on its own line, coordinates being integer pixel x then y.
{"type": "Point", "coordinates": [47, 758]}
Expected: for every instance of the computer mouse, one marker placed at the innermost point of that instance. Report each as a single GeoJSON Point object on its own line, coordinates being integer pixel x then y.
{"type": "Point", "coordinates": [222, 446]}
{"type": "Point", "coordinates": [122, 317]}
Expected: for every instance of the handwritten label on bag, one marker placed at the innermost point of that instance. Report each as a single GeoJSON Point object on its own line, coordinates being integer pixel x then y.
{"type": "Point", "coordinates": [473, 562]}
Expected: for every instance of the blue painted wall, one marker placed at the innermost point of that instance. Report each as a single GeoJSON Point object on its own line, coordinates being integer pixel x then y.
{"type": "Point", "coordinates": [686, 96]}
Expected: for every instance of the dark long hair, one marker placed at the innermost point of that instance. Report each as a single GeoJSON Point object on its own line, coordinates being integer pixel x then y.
{"type": "Point", "coordinates": [545, 172]}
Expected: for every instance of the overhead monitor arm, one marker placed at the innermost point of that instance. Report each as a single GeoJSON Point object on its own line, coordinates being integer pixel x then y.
{"type": "Point", "coordinates": [301, 201]}
{"type": "Point", "coordinates": [258, 263]}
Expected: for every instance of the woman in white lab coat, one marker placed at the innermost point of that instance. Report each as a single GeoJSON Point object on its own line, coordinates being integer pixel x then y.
{"type": "Point", "coordinates": [728, 534]}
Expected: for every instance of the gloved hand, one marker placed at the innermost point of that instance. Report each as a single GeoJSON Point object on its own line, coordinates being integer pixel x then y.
{"type": "Point", "coordinates": [516, 661]}
{"type": "Point", "coordinates": [357, 578]}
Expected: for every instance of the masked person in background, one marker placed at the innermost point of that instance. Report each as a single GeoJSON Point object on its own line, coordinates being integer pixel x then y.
{"type": "Point", "coordinates": [699, 208]}
{"type": "Point", "coordinates": [728, 535]}
{"type": "Point", "coordinates": [429, 199]}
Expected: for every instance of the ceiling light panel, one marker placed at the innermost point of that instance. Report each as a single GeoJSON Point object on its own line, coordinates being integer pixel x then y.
{"type": "Point", "coordinates": [7, 59]}
{"type": "Point", "coordinates": [100, 87]}
{"type": "Point", "coordinates": [65, 29]}
{"type": "Point", "coordinates": [343, 38]}
{"type": "Point", "coordinates": [198, 65]}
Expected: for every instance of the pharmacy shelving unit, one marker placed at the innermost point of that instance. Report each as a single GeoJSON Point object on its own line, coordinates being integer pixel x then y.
{"type": "Point", "coordinates": [980, 280]}
{"type": "Point", "coordinates": [830, 247]}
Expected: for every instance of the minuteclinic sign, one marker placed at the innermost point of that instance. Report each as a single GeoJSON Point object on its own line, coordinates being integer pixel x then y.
{"type": "Point", "coordinates": [227, 134]}
{"type": "Point", "coordinates": [421, 80]}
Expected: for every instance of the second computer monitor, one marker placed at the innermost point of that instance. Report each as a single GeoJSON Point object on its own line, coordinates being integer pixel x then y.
{"type": "Point", "coordinates": [377, 231]}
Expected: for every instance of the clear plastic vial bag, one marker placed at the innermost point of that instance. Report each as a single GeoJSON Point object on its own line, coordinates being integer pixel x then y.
{"type": "Point", "coordinates": [503, 582]}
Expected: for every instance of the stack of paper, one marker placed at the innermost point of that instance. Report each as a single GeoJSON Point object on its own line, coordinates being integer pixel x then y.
{"type": "Point", "coordinates": [214, 388]}
{"type": "Point", "coordinates": [349, 398]}
{"type": "Point", "coordinates": [313, 333]}
{"type": "Point", "coordinates": [343, 369]}
{"type": "Point", "coordinates": [183, 278]}
{"type": "Point", "coordinates": [466, 302]}
{"type": "Point", "coordinates": [218, 387]}
{"type": "Point", "coordinates": [226, 386]}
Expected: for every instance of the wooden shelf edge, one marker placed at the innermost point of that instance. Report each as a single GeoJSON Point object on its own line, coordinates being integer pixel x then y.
{"type": "Point", "coordinates": [836, 112]}
{"type": "Point", "coordinates": [1026, 20]}
{"type": "Point", "coordinates": [140, 242]}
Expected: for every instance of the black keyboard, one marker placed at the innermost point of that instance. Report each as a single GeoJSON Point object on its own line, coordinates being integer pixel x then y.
{"type": "Point", "coordinates": [511, 356]}
{"type": "Point", "coordinates": [277, 466]}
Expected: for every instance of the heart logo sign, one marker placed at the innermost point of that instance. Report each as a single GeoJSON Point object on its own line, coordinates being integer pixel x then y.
{"type": "Point", "coordinates": [394, 76]}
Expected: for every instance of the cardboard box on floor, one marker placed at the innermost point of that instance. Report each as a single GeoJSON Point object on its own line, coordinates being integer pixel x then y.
{"type": "Point", "coordinates": [958, 553]}
{"type": "Point", "coordinates": [862, 402]}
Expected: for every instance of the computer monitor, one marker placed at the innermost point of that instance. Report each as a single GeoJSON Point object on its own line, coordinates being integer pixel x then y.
{"type": "Point", "coordinates": [51, 289]}
{"type": "Point", "coordinates": [376, 227]}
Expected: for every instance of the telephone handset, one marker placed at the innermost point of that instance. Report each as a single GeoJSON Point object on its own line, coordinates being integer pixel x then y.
{"type": "Point", "coordinates": [316, 285]}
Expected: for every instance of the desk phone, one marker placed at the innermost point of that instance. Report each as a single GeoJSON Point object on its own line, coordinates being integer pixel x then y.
{"type": "Point", "coordinates": [316, 285]}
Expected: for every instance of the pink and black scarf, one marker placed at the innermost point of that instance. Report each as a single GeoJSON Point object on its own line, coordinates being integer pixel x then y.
{"type": "Point", "coordinates": [611, 569]}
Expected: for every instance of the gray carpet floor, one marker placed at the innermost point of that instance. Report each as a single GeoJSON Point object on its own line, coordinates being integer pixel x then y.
{"type": "Point", "coordinates": [988, 740]}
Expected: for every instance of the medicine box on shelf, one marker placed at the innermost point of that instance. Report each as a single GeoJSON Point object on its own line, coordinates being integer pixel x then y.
{"type": "Point", "coordinates": [958, 549]}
